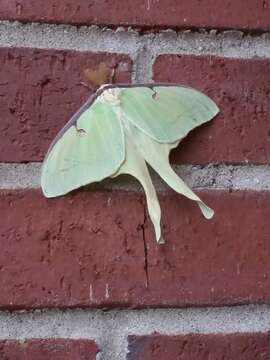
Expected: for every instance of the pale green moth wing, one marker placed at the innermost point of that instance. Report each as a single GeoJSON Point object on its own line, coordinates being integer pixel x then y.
{"type": "Point", "coordinates": [135, 165]}
{"type": "Point", "coordinates": [91, 149]}
{"type": "Point", "coordinates": [166, 113]}
{"type": "Point", "coordinates": [157, 156]}
{"type": "Point", "coordinates": [120, 129]}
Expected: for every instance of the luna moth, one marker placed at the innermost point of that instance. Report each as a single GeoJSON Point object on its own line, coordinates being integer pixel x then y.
{"type": "Point", "coordinates": [120, 129]}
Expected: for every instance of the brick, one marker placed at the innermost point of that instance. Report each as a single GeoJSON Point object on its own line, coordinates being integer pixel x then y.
{"type": "Point", "coordinates": [247, 346]}
{"type": "Point", "coordinates": [241, 132]}
{"type": "Point", "coordinates": [218, 262]}
{"type": "Point", "coordinates": [56, 349]}
{"type": "Point", "coordinates": [40, 90]}
{"type": "Point", "coordinates": [96, 249]}
{"type": "Point", "coordinates": [79, 250]}
{"type": "Point", "coordinates": [239, 14]}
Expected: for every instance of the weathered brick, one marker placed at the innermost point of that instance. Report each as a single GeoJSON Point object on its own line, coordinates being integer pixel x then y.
{"type": "Point", "coordinates": [241, 132]}
{"type": "Point", "coordinates": [217, 262]}
{"type": "Point", "coordinates": [249, 346]}
{"type": "Point", "coordinates": [40, 90]}
{"type": "Point", "coordinates": [87, 249]}
{"type": "Point", "coordinates": [56, 349]}
{"type": "Point", "coordinates": [240, 14]}
{"type": "Point", "coordinates": [79, 250]}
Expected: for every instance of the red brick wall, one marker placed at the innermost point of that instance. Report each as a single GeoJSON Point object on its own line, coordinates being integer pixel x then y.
{"type": "Point", "coordinates": [59, 349]}
{"type": "Point", "coordinates": [96, 249]}
{"type": "Point", "coordinates": [241, 14]}
{"type": "Point", "coordinates": [201, 347]}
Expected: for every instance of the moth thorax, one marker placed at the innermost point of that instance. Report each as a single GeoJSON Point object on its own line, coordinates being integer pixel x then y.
{"type": "Point", "coordinates": [110, 96]}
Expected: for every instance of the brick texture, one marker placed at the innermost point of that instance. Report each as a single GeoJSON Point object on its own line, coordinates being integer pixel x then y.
{"type": "Point", "coordinates": [73, 251]}
{"type": "Point", "coordinates": [254, 346]}
{"type": "Point", "coordinates": [242, 14]}
{"type": "Point", "coordinates": [241, 132]}
{"type": "Point", "coordinates": [56, 349]}
{"type": "Point", "coordinates": [87, 249]}
{"type": "Point", "coordinates": [40, 90]}
{"type": "Point", "coordinates": [217, 262]}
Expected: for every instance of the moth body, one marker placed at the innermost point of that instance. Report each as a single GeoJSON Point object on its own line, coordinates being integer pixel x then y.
{"type": "Point", "coordinates": [110, 97]}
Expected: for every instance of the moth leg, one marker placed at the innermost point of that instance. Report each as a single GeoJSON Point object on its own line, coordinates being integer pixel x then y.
{"type": "Point", "coordinates": [113, 73]}
{"type": "Point", "coordinates": [89, 87]}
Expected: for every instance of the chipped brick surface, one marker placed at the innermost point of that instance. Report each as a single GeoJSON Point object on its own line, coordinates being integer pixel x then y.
{"type": "Point", "coordinates": [40, 90]}
{"type": "Point", "coordinates": [200, 347]}
{"type": "Point", "coordinates": [49, 349]}
{"type": "Point", "coordinates": [80, 250]}
{"type": "Point", "coordinates": [221, 261]}
{"type": "Point", "coordinates": [87, 249]}
{"type": "Point", "coordinates": [228, 14]}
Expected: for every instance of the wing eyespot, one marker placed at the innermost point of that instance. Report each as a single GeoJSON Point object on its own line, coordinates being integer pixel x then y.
{"type": "Point", "coordinates": [80, 131]}
{"type": "Point", "coordinates": [155, 95]}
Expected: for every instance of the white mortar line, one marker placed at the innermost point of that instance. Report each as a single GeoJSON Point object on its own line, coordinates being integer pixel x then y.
{"type": "Point", "coordinates": [231, 44]}
{"type": "Point", "coordinates": [110, 329]}
{"type": "Point", "coordinates": [223, 177]}
{"type": "Point", "coordinates": [45, 36]}
{"type": "Point", "coordinates": [143, 49]}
